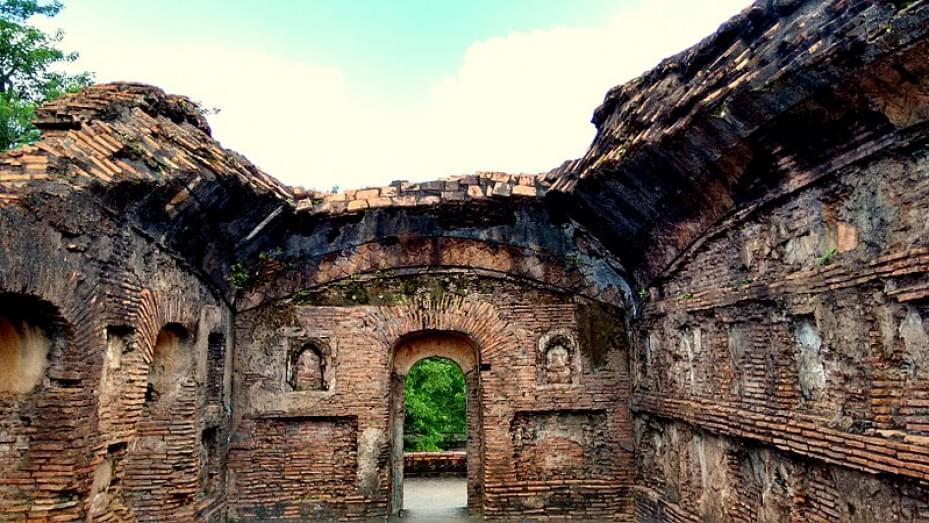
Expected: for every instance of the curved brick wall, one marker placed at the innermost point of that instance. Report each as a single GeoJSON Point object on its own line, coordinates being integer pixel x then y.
{"type": "Point", "coordinates": [718, 313]}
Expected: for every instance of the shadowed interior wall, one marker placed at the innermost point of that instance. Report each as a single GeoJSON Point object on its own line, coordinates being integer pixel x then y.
{"type": "Point", "coordinates": [23, 355]}
{"type": "Point", "coordinates": [719, 313]}
{"type": "Point", "coordinates": [97, 303]}
{"type": "Point", "coordinates": [502, 320]}
{"type": "Point", "coordinates": [788, 354]}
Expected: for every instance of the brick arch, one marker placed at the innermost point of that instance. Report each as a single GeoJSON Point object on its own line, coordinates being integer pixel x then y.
{"type": "Point", "coordinates": [477, 320]}
{"type": "Point", "coordinates": [422, 253]}
{"type": "Point", "coordinates": [471, 325]}
{"type": "Point", "coordinates": [66, 310]}
{"type": "Point", "coordinates": [146, 319]}
{"type": "Point", "coordinates": [450, 345]}
{"type": "Point", "coordinates": [156, 312]}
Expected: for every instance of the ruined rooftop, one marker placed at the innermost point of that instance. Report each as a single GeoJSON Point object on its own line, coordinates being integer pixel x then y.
{"type": "Point", "coordinates": [719, 313]}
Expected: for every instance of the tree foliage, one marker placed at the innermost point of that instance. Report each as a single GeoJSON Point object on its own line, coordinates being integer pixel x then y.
{"type": "Point", "coordinates": [434, 404]}
{"type": "Point", "coordinates": [27, 78]}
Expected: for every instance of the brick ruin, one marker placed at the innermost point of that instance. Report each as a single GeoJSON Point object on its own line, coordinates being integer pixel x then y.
{"type": "Point", "coordinates": [719, 313]}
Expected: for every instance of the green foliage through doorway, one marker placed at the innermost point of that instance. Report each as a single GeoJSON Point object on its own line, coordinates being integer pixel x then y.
{"type": "Point", "coordinates": [434, 406]}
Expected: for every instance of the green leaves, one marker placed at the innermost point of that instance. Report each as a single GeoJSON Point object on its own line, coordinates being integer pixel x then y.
{"type": "Point", "coordinates": [434, 404]}
{"type": "Point", "coordinates": [16, 121]}
{"type": "Point", "coordinates": [20, 10]}
{"type": "Point", "coordinates": [26, 56]}
{"type": "Point", "coordinates": [826, 257]}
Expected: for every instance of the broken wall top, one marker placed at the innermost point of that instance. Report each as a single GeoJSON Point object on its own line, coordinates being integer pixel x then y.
{"type": "Point", "coordinates": [121, 132]}
{"type": "Point", "coordinates": [784, 92]}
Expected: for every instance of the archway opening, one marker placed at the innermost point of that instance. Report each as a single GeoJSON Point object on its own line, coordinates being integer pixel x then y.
{"type": "Point", "coordinates": [435, 427]}
{"type": "Point", "coordinates": [435, 437]}
{"type": "Point", "coordinates": [434, 414]}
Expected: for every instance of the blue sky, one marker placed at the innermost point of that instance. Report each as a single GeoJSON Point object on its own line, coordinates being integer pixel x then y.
{"type": "Point", "coordinates": [353, 93]}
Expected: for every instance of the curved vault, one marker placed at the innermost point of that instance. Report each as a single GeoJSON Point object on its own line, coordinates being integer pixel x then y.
{"type": "Point", "coordinates": [754, 205]}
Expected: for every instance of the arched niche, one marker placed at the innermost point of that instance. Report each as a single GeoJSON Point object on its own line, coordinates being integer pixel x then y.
{"type": "Point", "coordinates": [29, 331]}
{"type": "Point", "coordinates": [310, 367]}
{"type": "Point", "coordinates": [557, 359]}
{"type": "Point", "coordinates": [171, 362]}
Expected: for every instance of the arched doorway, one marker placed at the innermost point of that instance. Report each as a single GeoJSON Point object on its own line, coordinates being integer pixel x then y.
{"type": "Point", "coordinates": [408, 351]}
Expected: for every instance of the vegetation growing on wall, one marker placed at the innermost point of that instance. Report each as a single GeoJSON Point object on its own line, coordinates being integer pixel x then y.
{"type": "Point", "coordinates": [434, 406]}
{"type": "Point", "coordinates": [244, 276]}
{"type": "Point", "coordinates": [378, 288]}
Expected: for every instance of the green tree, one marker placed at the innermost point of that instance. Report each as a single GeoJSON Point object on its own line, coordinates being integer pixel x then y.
{"type": "Point", "coordinates": [434, 403]}
{"type": "Point", "coordinates": [27, 56]}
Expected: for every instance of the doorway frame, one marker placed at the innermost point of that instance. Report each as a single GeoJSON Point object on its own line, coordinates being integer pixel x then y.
{"type": "Point", "coordinates": [459, 348]}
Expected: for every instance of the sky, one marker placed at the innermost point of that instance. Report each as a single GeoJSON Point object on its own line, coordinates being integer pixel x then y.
{"type": "Point", "coordinates": [355, 93]}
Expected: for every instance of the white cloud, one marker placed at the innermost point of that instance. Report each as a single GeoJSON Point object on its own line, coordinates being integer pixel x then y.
{"type": "Point", "coordinates": [518, 103]}
{"type": "Point", "coordinates": [523, 102]}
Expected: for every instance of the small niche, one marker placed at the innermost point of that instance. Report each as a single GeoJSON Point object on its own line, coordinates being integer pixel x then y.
{"type": "Point", "coordinates": [117, 344]}
{"type": "Point", "coordinates": [309, 367]}
{"type": "Point", "coordinates": [209, 462]}
{"type": "Point", "coordinates": [557, 359]}
{"type": "Point", "coordinates": [216, 360]}
{"type": "Point", "coordinates": [811, 371]}
{"type": "Point", "coordinates": [170, 364]}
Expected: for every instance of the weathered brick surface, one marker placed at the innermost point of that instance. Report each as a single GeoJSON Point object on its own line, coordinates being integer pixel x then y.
{"type": "Point", "coordinates": [792, 89]}
{"type": "Point", "coordinates": [302, 468]}
{"type": "Point", "coordinates": [444, 463]}
{"type": "Point", "coordinates": [103, 309]}
{"type": "Point", "coordinates": [460, 188]}
{"type": "Point", "coordinates": [794, 339]}
{"type": "Point", "coordinates": [767, 190]}
{"type": "Point", "coordinates": [505, 321]}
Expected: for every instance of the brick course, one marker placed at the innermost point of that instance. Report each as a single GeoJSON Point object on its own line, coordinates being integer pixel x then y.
{"type": "Point", "coordinates": [718, 313]}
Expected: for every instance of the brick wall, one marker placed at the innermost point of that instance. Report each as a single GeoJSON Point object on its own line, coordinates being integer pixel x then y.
{"type": "Point", "coordinates": [506, 322]}
{"type": "Point", "coordinates": [781, 371]}
{"type": "Point", "coordinates": [81, 444]}
{"type": "Point", "coordinates": [771, 183]}
{"type": "Point", "coordinates": [441, 463]}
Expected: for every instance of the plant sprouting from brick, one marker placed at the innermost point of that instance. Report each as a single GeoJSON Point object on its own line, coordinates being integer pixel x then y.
{"type": "Point", "coordinates": [198, 107]}
{"type": "Point", "coordinates": [745, 281]}
{"type": "Point", "coordinates": [643, 295]}
{"type": "Point", "coordinates": [244, 276]}
{"type": "Point", "coordinates": [239, 276]}
{"type": "Point", "coordinates": [826, 257]}
{"type": "Point", "coordinates": [301, 297]}
{"type": "Point", "coordinates": [687, 296]}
